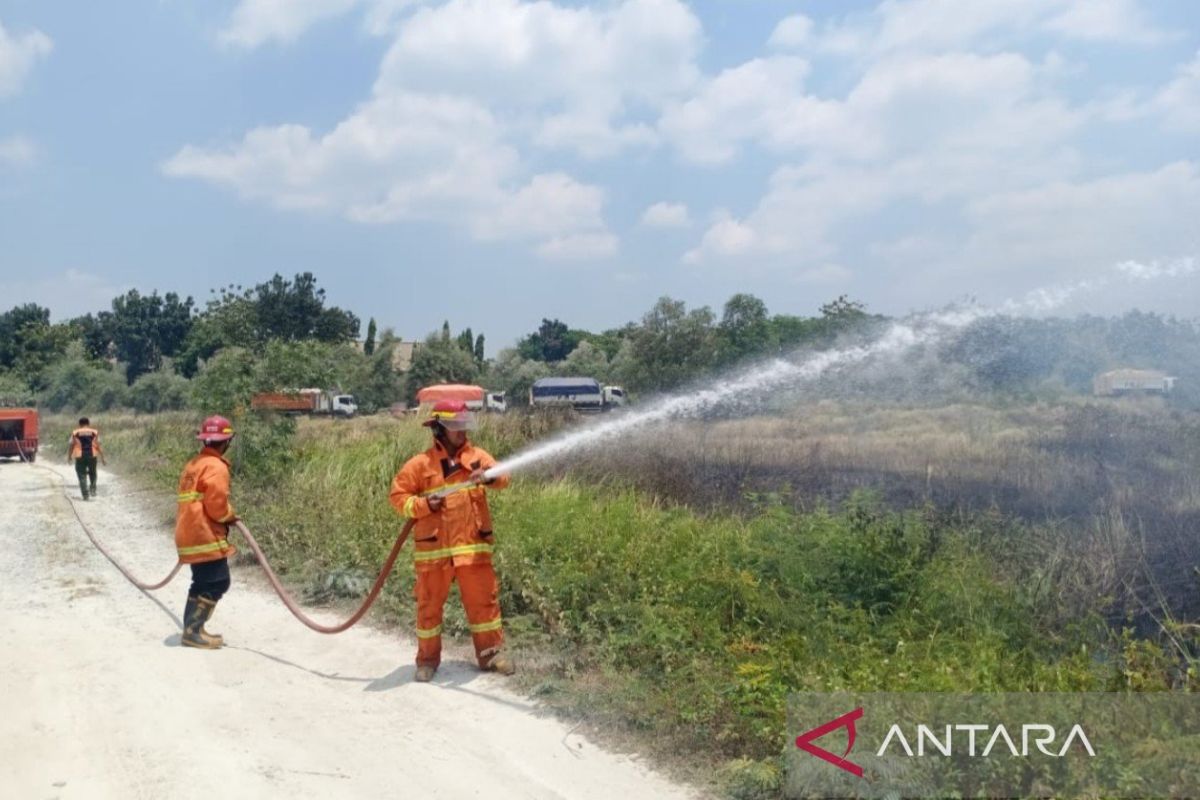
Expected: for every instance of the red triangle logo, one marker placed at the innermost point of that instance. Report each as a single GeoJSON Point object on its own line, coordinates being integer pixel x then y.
{"type": "Point", "coordinates": [805, 742]}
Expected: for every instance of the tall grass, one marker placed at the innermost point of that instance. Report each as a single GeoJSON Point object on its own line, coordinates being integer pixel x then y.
{"type": "Point", "coordinates": [686, 619]}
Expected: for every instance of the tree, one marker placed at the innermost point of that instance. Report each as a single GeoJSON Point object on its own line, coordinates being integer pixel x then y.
{"type": "Point", "coordinates": [97, 344]}
{"type": "Point", "coordinates": [466, 340]}
{"type": "Point", "coordinates": [286, 366]}
{"type": "Point", "coordinates": [587, 360]}
{"type": "Point", "coordinates": [440, 360]}
{"type": "Point", "coordinates": [445, 330]}
{"type": "Point", "coordinates": [295, 310]}
{"type": "Point", "coordinates": [28, 342]}
{"type": "Point", "coordinates": [374, 382]}
{"type": "Point", "coordinates": [671, 346]}
{"type": "Point", "coordinates": [552, 342]}
{"type": "Point", "coordinates": [791, 332]}
{"type": "Point", "coordinates": [249, 318]}
{"type": "Point", "coordinates": [843, 315]}
{"type": "Point", "coordinates": [143, 329]}
{"type": "Point", "coordinates": [225, 383]}
{"type": "Point", "coordinates": [76, 384]}
{"type": "Point", "coordinates": [158, 391]}
{"type": "Point", "coordinates": [479, 351]}
{"type": "Point", "coordinates": [229, 320]}
{"type": "Point", "coordinates": [515, 375]}
{"type": "Point", "coordinates": [745, 329]}
{"type": "Point", "coordinates": [369, 344]}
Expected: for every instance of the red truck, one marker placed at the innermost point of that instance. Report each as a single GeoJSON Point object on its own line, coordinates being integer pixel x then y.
{"type": "Point", "coordinates": [19, 433]}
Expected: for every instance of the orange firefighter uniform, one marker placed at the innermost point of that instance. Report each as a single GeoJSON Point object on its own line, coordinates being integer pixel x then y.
{"type": "Point", "coordinates": [85, 441]}
{"type": "Point", "coordinates": [452, 543]}
{"type": "Point", "coordinates": [202, 521]}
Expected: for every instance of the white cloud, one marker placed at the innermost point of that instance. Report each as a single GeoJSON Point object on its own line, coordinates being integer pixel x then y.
{"type": "Point", "coordinates": [550, 205]}
{"type": "Point", "coordinates": [17, 151]}
{"type": "Point", "coordinates": [939, 25]}
{"type": "Point", "coordinates": [256, 22]}
{"type": "Point", "coordinates": [666, 215]}
{"type": "Point", "coordinates": [793, 31]}
{"type": "Point", "coordinates": [1106, 21]}
{"type": "Point", "coordinates": [1179, 100]}
{"type": "Point", "coordinates": [762, 99]}
{"type": "Point", "coordinates": [916, 130]}
{"type": "Point", "coordinates": [1079, 226]}
{"type": "Point", "coordinates": [579, 247]}
{"type": "Point", "coordinates": [403, 157]}
{"type": "Point", "coordinates": [900, 104]}
{"type": "Point", "coordinates": [18, 54]}
{"type": "Point", "coordinates": [824, 275]}
{"type": "Point", "coordinates": [578, 78]}
{"type": "Point", "coordinates": [725, 237]}
{"type": "Point", "coordinates": [465, 91]}
{"type": "Point", "coordinates": [383, 17]}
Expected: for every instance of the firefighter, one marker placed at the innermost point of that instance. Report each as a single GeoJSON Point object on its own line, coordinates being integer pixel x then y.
{"type": "Point", "coordinates": [202, 530]}
{"type": "Point", "coordinates": [452, 538]}
{"type": "Point", "coordinates": [84, 448]}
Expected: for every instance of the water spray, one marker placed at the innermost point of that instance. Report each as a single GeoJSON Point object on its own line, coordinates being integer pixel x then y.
{"type": "Point", "coordinates": [899, 338]}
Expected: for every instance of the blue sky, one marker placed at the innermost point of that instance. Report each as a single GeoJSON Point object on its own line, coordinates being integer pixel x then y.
{"type": "Point", "coordinates": [497, 161]}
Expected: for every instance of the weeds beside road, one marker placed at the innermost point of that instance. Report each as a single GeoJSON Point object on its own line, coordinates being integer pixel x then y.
{"type": "Point", "coordinates": [677, 589]}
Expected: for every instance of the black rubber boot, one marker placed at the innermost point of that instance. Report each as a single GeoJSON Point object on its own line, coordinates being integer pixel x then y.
{"type": "Point", "coordinates": [207, 607]}
{"type": "Point", "coordinates": [195, 613]}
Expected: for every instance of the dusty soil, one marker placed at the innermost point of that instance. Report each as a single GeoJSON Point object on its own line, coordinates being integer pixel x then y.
{"type": "Point", "coordinates": [101, 701]}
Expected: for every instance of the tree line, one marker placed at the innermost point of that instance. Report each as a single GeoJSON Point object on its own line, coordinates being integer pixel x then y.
{"type": "Point", "coordinates": [152, 352]}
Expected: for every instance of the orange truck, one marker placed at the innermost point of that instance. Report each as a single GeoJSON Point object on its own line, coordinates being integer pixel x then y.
{"type": "Point", "coordinates": [19, 433]}
{"type": "Point", "coordinates": [306, 401]}
{"type": "Point", "coordinates": [476, 398]}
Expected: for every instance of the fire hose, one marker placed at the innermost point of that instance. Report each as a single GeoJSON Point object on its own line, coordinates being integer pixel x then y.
{"type": "Point", "coordinates": [272, 578]}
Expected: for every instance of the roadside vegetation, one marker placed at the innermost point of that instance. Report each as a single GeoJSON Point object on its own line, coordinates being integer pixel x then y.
{"type": "Point", "coordinates": [968, 520]}
{"type": "Point", "coordinates": [673, 592]}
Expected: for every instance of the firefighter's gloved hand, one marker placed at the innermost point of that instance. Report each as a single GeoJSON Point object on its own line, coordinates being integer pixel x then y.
{"type": "Point", "coordinates": [436, 503]}
{"type": "Point", "coordinates": [479, 476]}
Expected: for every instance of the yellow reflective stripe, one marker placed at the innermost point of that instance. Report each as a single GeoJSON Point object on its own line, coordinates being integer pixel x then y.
{"type": "Point", "coordinates": [448, 488]}
{"type": "Point", "coordinates": [484, 627]}
{"type": "Point", "coordinates": [465, 549]}
{"type": "Point", "coordinates": [446, 552]}
{"type": "Point", "coordinates": [187, 497]}
{"type": "Point", "coordinates": [429, 633]}
{"type": "Point", "coordinates": [204, 548]}
{"type": "Point", "coordinates": [410, 507]}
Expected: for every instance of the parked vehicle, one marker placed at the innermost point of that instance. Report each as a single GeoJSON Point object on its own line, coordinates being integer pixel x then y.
{"type": "Point", "coordinates": [19, 432]}
{"type": "Point", "coordinates": [476, 397]}
{"type": "Point", "coordinates": [306, 401]}
{"type": "Point", "coordinates": [581, 393]}
{"type": "Point", "coordinates": [614, 397]}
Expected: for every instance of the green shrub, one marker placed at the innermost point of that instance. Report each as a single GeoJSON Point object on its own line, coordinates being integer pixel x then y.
{"type": "Point", "coordinates": [159, 391]}
{"type": "Point", "coordinates": [78, 385]}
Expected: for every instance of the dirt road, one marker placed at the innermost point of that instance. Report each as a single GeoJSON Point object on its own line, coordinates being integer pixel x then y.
{"type": "Point", "coordinates": [100, 701]}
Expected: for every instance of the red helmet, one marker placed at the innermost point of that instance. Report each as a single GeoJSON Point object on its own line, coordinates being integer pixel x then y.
{"type": "Point", "coordinates": [452, 415]}
{"type": "Point", "coordinates": [215, 429]}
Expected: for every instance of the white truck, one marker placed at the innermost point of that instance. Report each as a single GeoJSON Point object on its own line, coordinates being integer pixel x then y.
{"type": "Point", "coordinates": [582, 394]}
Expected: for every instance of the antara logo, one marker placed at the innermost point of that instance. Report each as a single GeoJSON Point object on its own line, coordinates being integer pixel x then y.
{"type": "Point", "coordinates": [805, 741]}
{"type": "Point", "coordinates": [1043, 737]}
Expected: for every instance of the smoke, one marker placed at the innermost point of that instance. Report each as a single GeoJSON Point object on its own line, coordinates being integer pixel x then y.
{"type": "Point", "coordinates": [898, 339]}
